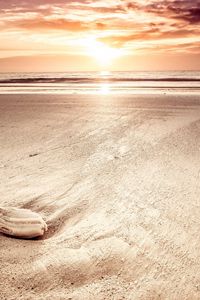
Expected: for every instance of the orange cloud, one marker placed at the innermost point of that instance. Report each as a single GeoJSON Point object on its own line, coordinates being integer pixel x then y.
{"type": "Point", "coordinates": [57, 25]}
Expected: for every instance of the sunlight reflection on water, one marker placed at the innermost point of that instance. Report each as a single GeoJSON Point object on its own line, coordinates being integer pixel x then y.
{"type": "Point", "coordinates": [105, 89]}
{"type": "Point", "coordinates": [101, 83]}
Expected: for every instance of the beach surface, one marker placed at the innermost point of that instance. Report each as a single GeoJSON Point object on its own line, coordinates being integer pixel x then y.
{"type": "Point", "coordinates": [117, 179]}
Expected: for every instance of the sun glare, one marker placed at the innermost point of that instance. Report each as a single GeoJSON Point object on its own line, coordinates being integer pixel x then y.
{"type": "Point", "coordinates": [105, 89]}
{"type": "Point", "coordinates": [105, 73]}
{"type": "Point", "coordinates": [101, 52]}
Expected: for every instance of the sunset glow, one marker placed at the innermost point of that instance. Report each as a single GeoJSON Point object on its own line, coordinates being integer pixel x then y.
{"type": "Point", "coordinates": [90, 35]}
{"type": "Point", "coordinates": [101, 52]}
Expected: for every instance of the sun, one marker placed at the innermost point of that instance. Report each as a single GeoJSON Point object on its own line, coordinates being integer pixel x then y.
{"type": "Point", "coordinates": [101, 52]}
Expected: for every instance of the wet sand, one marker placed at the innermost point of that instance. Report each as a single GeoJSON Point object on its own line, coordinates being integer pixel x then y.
{"type": "Point", "coordinates": [117, 180]}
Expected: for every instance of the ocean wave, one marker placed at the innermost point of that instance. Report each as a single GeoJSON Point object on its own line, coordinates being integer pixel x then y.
{"type": "Point", "coordinates": [94, 80]}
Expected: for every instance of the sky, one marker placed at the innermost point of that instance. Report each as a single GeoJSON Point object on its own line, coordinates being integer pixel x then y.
{"type": "Point", "coordinates": [92, 35]}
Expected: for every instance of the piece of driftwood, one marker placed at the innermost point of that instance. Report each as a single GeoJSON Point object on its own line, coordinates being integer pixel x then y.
{"type": "Point", "coordinates": [22, 223]}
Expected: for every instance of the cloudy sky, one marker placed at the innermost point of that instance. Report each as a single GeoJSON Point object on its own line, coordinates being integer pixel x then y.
{"type": "Point", "coordinates": [56, 35]}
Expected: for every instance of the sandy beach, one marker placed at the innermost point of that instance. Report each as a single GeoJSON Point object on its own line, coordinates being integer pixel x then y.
{"type": "Point", "coordinates": [117, 179]}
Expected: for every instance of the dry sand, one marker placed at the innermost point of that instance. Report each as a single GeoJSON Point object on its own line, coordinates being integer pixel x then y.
{"type": "Point", "coordinates": [118, 181]}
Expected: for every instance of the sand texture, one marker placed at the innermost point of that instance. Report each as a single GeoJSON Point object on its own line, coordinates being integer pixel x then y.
{"type": "Point", "coordinates": [117, 180]}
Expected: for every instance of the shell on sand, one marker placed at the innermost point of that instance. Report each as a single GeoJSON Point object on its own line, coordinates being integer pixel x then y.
{"type": "Point", "coordinates": [21, 223]}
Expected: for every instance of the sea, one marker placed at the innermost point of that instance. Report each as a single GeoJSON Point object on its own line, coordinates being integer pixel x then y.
{"type": "Point", "coordinates": [104, 82]}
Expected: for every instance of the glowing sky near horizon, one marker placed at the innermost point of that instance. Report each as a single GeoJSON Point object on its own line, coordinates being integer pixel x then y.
{"type": "Point", "coordinates": [91, 34]}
